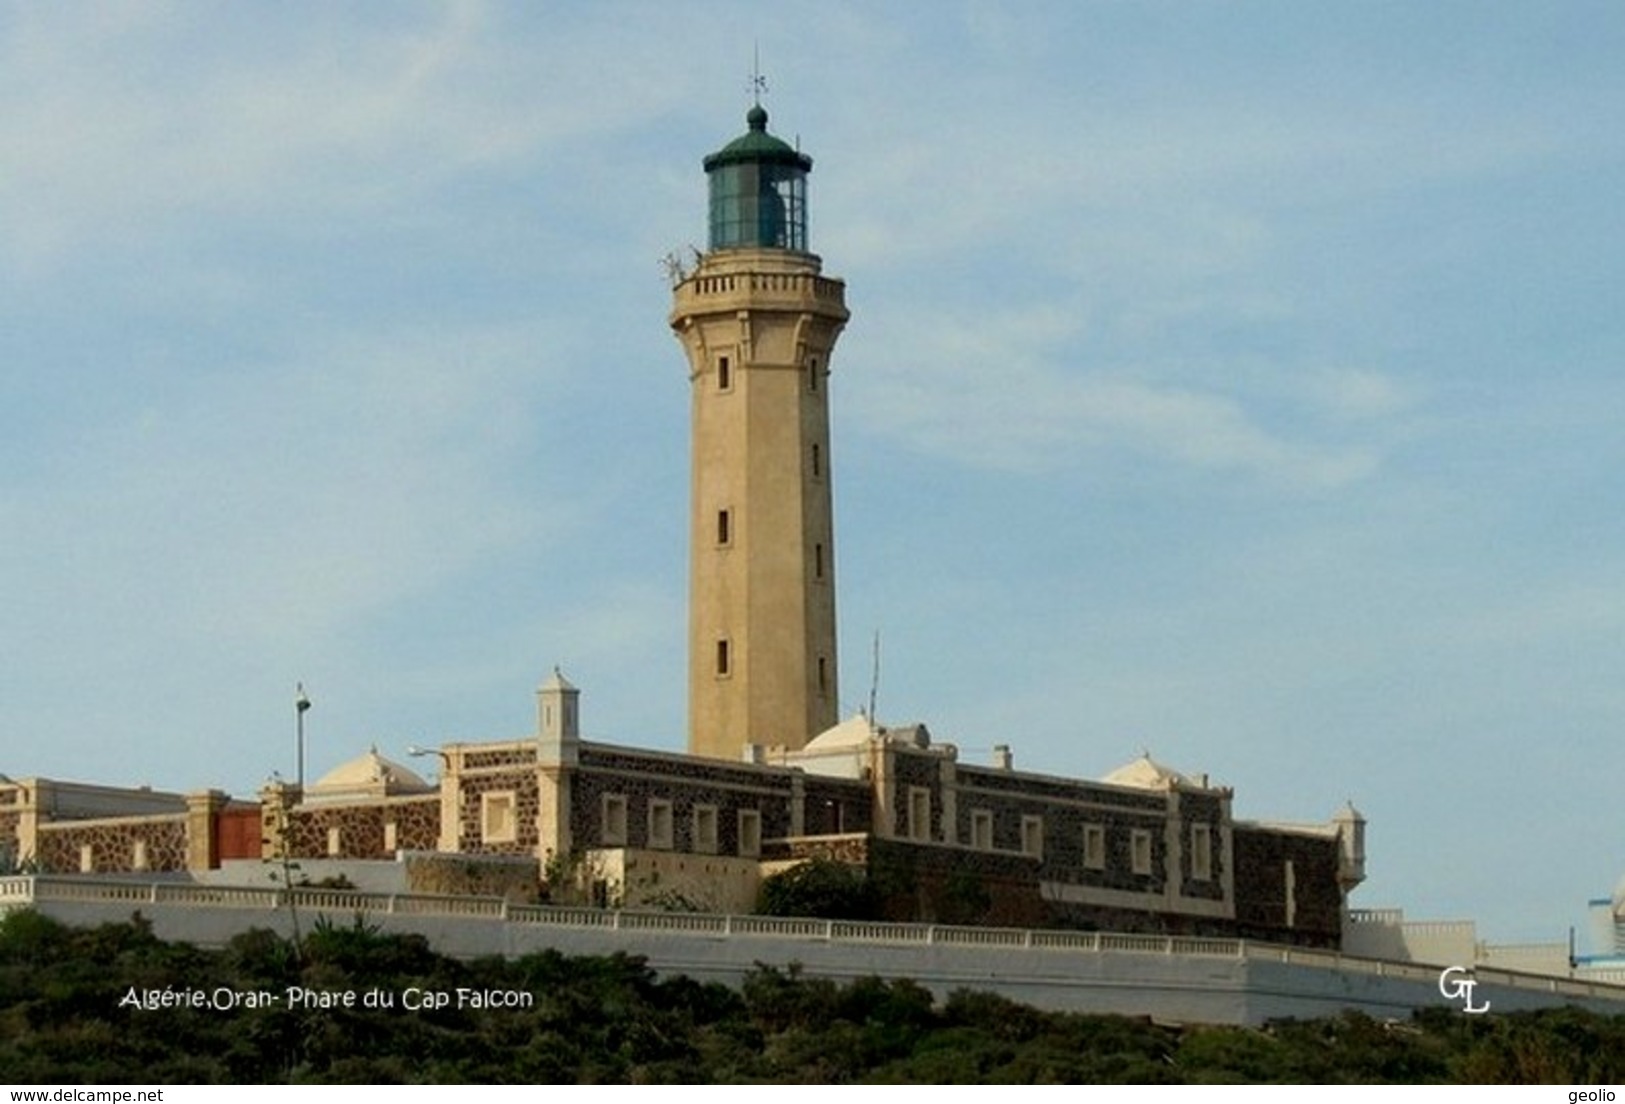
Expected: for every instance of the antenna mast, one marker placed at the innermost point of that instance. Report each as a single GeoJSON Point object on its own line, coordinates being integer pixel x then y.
{"type": "Point", "coordinates": [874, 679]}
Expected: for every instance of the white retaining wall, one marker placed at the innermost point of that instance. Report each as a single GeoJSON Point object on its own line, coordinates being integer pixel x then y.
{"type": "Point", "coordinates": [1177, 979]}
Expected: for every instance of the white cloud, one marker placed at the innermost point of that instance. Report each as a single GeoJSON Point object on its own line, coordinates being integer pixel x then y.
{"type": "Point", "coordinates": [1007, 393]}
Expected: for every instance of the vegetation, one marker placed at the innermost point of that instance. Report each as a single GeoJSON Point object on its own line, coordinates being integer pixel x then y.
{"type": "Point", "coordinates": [66, 1016]}
{"type": "Point", "coordinates": [821, 888]}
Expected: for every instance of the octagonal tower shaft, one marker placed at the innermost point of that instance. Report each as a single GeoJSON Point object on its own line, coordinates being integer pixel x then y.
{"type": "Point", "coordinates": [758, 326]}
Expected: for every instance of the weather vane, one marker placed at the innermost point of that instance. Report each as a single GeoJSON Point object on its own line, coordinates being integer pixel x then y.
{"type": "Point", "coordinates": [758, 83]}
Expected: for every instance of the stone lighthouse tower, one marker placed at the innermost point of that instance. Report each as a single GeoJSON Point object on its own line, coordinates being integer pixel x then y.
{"type": "Point", "coordinates": [758, 321]}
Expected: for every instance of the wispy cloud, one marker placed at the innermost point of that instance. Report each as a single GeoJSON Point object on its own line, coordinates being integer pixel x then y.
{"type": "Point", "coordinates": [1010, 392]}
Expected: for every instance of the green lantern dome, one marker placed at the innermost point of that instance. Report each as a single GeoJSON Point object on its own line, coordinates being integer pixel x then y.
{"type": "Point", "coordinates": [758, 191]}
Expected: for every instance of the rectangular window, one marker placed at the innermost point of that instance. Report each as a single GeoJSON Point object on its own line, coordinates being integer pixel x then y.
{"type": "Point", "coordinates": [723, 666]}
{"type": "Point", "coordinates": [724, 527]}
{"type": "Point", "coordinates": [818, 560]}
{"type": "Point", "coordinates": [1201, 852]}
{"type": "Point", "coordinates": [750, 832]}
{"type": "Point", "coordinates": [335, 842]}
{"type": "Point", "coordinates": [812, 375]}
{"type": "Point", "coordinates": [725, 378]}
{"type": "Point", "coordinates": [817, 461]}
{"type": "Point", "coordinates": [87, 858]}
{"type": "Point", "coordinates": [1032, 836]}
{"type": "Point", "coordinates": [705, 829]}
{"type": "Point", "coordinates": [138, 855]}
{"type": "Point", "coordinates": [660, 824]}
{"type": "Point", "coordinates": [613, 828]}
{"type": "Point", "coordinates": [823, 675]}
{"type": "Point", "coordinates": [981, 829]}
{"type": "Point", "coordinates": [1140, 851]}
{"type": "Point", "coordinates": [498, 822]}
{"type": "Point", "coordinates": [1094, 846]}
{"type": "Point", "coordinates": [919, 813]}
{"type": "Point", "coordinates": [391, 837]}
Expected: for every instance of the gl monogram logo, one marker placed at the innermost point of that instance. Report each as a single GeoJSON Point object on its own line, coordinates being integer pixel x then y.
{"type": "Point", "coordinates": [1455, 985]}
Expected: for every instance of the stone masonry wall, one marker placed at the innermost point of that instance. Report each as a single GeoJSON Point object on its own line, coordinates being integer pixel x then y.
{"type": "Point", "coordinates": [361, 828]}
{"type": "Point", "coordinates": [11, 846]}
{"type": "Point", "coordinates": [1261, 911]}
{"type": "Point", "coordinates": [518, 780]}
{"type": "Point", "coordinates": [112, 844]}
{"type": "Point", "coordinates": [1065, 808]}
{"type": "Point", "coordinates": [517, 879]}
{"type": "Point", "coordinates": [833, 806]}
{"type": "Point", "coordinates": [686, 783]}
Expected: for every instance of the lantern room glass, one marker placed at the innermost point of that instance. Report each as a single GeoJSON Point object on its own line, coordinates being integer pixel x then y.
{"type": "Point", "coordinates": [757, 205]}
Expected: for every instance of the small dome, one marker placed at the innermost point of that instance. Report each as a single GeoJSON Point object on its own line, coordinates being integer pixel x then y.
{"type": "Point", "coordinates": [853, 732]}
{"type": "Point", "coordinates": [757, 145]}
{"type": "Point", "coordinates": [370, 773]}
{"type": "Point", "coordinates": [1145, 773]}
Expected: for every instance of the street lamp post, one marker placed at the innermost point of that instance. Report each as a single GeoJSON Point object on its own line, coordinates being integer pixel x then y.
{"type": "Point", "coordinates": [418, 752]}
{"type": "Point", "coordinates": [301, 704]}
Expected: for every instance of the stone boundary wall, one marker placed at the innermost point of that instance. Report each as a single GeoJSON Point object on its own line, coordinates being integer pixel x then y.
{"type": "Point", "coordinates": [1173, 978]}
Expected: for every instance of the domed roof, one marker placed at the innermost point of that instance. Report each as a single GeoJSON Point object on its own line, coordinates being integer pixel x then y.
{"type": "Point", "coordinates": [853, 732]}
{"type": "Point", "coordinates": [757, 145]}
{"type": "Point", "coordinates": [1145, 773]}
{"type": "Point", "coordinates": [371, 773]}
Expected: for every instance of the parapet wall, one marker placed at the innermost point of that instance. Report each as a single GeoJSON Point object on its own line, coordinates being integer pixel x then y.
{"type": "Point", "coordinates": [1168, 977]}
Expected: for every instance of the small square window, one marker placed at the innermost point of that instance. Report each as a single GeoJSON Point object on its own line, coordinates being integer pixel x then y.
{"type": "Point", "coordinates": [1094, 846]}
{"type": "Point", "coordinates": [498, 824]}
{"type": "Point", "coordinates": [660, 824]}
{"type": "Point", "coordinates": [613, 830]}
{"type": "Point", "coordinates": [1032, 836]}
{"type": "Point", "coordinates": [750, 832]}
{"type": "Point", "coordinates": [705, 829]}
{"type": "Point", "coordinates": [1140, 851]}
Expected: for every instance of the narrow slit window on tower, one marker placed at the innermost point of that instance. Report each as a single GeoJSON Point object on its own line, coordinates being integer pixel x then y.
{"type": "Point", "coordinates": [817, 461]}
{"type": "Point", "coordinates": [812, 374]}
{"type": "Point", "coordinates": [725, 378]}
{"type": "Point", "coordinates": [724, 527]}
{"type": "Point", "coordinates": [818, 560]}
{"type": "Point", "coordinates": [723, 658]}
{"type": "Point", "coordinates": [823, 675]}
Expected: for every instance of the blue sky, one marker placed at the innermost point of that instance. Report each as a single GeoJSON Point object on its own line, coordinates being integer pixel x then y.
{"type": "Point", "coordinates": [1240, 382]}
